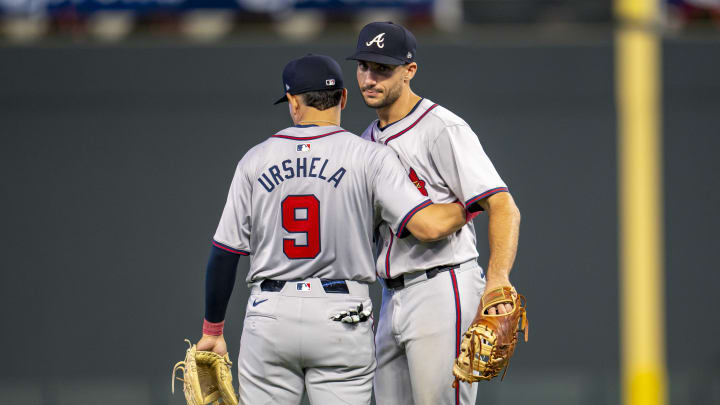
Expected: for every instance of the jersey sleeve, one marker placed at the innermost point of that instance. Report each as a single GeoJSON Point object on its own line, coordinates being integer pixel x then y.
{"type": "Point", "coordinates": [465, 167]}
{"type": "Point", "coordinates": [233, 231]}
{"type": "Point", "coordinates": [395, 195]}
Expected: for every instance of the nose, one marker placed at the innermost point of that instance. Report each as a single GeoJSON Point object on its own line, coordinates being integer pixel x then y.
{"type": "Point", "coordinates": [368, 78]}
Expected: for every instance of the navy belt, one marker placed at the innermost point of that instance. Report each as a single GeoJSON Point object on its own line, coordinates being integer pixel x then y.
{"type": "Point", "coordinates": [398, 283]}
{"type": "Point", "coordinates": [330, 286]}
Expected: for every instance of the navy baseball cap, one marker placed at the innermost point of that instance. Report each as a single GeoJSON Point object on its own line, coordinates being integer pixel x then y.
{"type": "Point", "coordinates": [386, 43]}
{"type": "Point", "coordinates": [311, 73]}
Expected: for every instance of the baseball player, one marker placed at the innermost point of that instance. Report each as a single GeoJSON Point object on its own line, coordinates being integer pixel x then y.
{"type": "Point", "coordinates": [303, 206]}
{"type": "Point", "coordinates": [431, 290]}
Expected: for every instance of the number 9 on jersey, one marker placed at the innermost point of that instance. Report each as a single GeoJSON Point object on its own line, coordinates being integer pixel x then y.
{"type": "Point", "coordinates": [301, 214]}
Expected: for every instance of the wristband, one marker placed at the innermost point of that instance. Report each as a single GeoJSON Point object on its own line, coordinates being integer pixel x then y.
{"type": "Point", "coordinates": [468, 215]}
{"type": "Point", "coordinates": [213, 329]}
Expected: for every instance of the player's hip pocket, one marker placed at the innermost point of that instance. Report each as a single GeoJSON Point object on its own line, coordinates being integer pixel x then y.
{"type": "Point", "coordinates": [350, 311]}
{"type": "Point", "coordinates": [262, 305]}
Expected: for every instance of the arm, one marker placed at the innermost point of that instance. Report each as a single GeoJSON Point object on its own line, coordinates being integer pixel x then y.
{"type": "Point", "coordinates": [503, 234]}
{"type": "Point", "coordinates": [231, 240]}
{"type": "Point", "coordinates": [437, 221]}
{"type": "Point", "coordinates": [219, 282]}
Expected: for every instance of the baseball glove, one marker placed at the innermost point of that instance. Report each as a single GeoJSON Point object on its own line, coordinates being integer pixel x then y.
{"type": "Point", "coordinates": [207, 378]}
{"type": "Point", "coordinates": [489, 343]}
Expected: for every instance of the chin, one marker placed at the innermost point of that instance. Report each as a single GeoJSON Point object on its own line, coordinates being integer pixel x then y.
{"type": "Point", "coordinates": [374, 103]}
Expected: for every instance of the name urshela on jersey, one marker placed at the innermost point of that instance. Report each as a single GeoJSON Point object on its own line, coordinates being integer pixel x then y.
{"type": "Point", "coordinates": [303, 167]}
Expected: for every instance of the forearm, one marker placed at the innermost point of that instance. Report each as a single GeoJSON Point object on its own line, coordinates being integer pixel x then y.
{"type": "Point", "coordinates": [437, 221]}
{"type": "Point", "coordinates": [503, 234]}
{"type": "Point", "coordinates": [219, 282]}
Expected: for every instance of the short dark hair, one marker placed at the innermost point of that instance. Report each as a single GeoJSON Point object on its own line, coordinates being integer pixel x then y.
{"type": "Point", "coordinates": [322, 99]}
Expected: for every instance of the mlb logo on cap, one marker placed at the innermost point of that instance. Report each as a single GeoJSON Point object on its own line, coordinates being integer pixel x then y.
{"type": "Point", "coordinates": [303, 147]}
{"type": "Point", "coordinates": [311, 73]}
{"type": "Point", "coordinates": [303, 286]}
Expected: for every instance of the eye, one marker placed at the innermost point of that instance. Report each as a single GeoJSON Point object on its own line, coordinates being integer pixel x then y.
{"type": "Point", "coordinates": [362, 65]}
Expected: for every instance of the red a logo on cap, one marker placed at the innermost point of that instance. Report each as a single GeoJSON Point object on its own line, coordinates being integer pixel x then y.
{"type": "Point", "coordinates": [420, 184]}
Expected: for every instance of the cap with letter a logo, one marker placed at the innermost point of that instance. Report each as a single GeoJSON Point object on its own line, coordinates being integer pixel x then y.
{"type": "Point", "coordinates": [386, 43]}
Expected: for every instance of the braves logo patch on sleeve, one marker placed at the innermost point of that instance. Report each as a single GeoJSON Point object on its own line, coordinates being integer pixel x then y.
{"type": "Point", "coordinates": [420, 184]}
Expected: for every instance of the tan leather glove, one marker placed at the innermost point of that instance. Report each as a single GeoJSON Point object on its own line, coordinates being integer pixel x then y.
{"type": "Point", "coordinates": [207, 378]}
{"type": "Point", "coordinates": [489, 343]}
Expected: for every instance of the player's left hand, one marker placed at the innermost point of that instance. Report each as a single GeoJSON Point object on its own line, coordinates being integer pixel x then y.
{"type": "Point", "coordinates": [214, 344]}
{"type": "Point", "coordinates": [502, 308]}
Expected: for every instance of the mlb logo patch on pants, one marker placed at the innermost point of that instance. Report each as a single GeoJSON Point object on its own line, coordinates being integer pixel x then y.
{"type": "Point", "coordinates": [303, 286]}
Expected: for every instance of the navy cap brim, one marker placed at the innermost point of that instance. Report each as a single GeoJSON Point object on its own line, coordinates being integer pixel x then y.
{"type": "Point", "coordinates": [282, 99]}
{"type": "Point", "coordinates": [377, 58]}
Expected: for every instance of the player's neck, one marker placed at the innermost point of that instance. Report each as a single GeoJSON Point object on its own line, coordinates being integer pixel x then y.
{"type": "Point", "coordinates": [399, 109]}
{"type": "Point", "coordinates": [329, 117]}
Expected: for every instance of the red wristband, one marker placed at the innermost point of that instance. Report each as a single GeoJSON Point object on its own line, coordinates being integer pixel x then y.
{"type": "Point", "coordinates": [468, 215]}
{"type": "Point", "coordinates": [213, 329]}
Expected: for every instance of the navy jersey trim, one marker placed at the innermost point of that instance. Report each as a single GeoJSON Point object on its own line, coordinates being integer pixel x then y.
{"type": "Point", "coordinates": [411, 111]}
{"type": "Point", "coordinates": [230, 249]}
{"type": "Point", "coordinates": [406, 219]}
{"type": "Point", "coordinates": [485, 195]}
{"type": "Point", "coordinates": [306, 138]}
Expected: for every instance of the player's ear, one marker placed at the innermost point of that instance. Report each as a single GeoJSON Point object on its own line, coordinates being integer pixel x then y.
{"type": "Point", "coordinates": [293, 101]}
{"type": "Point", "coordinates": [343, 99]}
{"type": "Point", "coordinates": [293, 106]}
{"type": "Point", "coordinates": [410, 70]}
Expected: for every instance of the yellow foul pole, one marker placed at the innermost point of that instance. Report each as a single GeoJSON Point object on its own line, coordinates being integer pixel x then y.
{"type": "Point", "coordinates": [642, 308]}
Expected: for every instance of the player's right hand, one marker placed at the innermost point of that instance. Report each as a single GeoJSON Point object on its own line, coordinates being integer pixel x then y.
{"type": "Point", "coordinates": [211, 343]}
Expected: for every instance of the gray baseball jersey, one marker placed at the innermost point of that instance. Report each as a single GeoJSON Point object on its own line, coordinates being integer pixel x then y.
{"type": "Point", "coordinates": [418, 334]}
{"type": "Point", "coordinates": [305, 203]}
{"type": "Point", "coordinates": [445, 160]}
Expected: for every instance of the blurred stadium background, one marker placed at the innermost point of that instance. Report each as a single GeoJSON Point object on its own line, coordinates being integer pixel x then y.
{"type": "Point", "coordinates": [121, 122]}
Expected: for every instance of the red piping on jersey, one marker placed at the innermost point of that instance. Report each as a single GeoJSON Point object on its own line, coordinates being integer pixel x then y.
{"type": "Point", "coordinates": [411, 125]}
{"type": "Point", "coordinates": [229, 249]}
{"type": "Point", "coordinates": [306, 138]}
{"type": "Point", "coordinates": [458, 325]}
{"type": "Point", "coordinates": [387, 257]}
{"type": "Point", "coordinates": [485, 194]}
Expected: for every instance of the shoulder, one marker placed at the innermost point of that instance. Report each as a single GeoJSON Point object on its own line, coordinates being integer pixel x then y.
{"type": "Point", "coordinates": [443, 117]}
{"type": "Point", "coordinates": [446, 124]}
{"type": "Point", "coordinates": [367, 150]}
{"type": "Point", "coordinates": [367, 133]}
{"type": "Point", "coordinates": [364, 141]}
{"type": "Point", "coordinates": [250, 161]}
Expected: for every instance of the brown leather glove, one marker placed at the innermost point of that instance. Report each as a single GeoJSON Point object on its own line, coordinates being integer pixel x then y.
{"type": "Point", "coordinates": [206, 378]}
{"type": "Point", "coordinates": [489, 343]}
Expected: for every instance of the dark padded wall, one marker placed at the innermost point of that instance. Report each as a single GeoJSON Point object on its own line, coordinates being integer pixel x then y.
{"type": "Point", "coordinates": [116, 161]}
